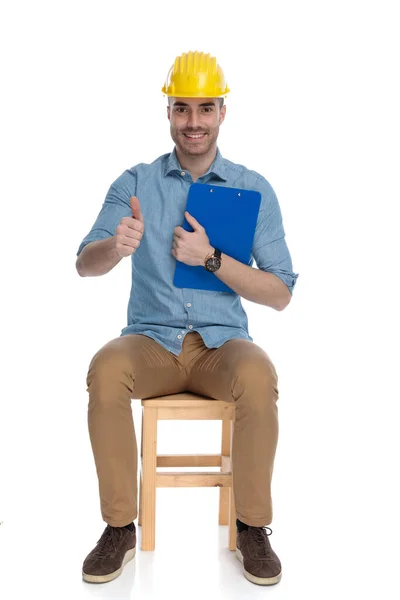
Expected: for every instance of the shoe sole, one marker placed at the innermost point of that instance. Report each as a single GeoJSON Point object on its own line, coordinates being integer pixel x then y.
{"type": "Point", "coordinates": [258, 580]}
{"type": "Point", "coordinates": [110, 576]}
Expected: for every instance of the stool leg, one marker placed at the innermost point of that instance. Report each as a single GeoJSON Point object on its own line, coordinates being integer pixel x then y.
{"type": "Point", "coordinates": [223, 506]}
{"type": "Point", "coordinates": [140, 515]}
{"type": "Point", "coordinates": [232, 520]}
{"type": "Point", "coordinates": [149, 478]}
{"type": "Point", "coordinates": [223, 518]}
{"type": "Point", "coordinates": [232, 511]}
{"type": "Point", "coordinates": [141, 477]}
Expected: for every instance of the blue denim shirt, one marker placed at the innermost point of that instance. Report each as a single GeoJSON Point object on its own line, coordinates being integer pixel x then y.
{"type": "Point", "coordinates": [156, 307]}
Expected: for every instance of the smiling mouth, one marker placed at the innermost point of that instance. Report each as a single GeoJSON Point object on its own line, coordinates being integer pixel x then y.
{"type": "Point", "coordinates": [194, 136]}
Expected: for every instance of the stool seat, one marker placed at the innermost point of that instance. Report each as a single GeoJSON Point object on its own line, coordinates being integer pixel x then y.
{"type": "Point", "coordinates": [184, 406]}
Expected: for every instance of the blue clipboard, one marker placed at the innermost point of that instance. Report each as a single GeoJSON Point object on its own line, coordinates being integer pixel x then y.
{"type": "Point", "coordinates": [229, 216]}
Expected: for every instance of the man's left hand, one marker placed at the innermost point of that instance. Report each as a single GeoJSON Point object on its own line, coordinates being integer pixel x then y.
{"type": "Point", "coordinates": [191, 247]}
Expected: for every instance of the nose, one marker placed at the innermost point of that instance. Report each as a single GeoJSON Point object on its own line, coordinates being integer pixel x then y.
{"type": "Point", "coordinates": [193, 120]}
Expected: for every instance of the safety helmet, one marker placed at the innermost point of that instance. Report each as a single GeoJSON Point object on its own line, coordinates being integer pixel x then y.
{"type": "Point", "coordinates": [195, 75]}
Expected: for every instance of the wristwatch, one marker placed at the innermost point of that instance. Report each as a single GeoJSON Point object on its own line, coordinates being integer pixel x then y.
{"type": "Point", "coordinates": [213, 261]}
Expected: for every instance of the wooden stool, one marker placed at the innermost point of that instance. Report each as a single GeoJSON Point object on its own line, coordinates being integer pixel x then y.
{"type": "Point", "coordinates": [184, 406]}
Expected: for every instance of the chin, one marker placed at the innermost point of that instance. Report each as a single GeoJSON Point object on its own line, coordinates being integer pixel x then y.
{"type": "Point", "coordinates": [194, 149]}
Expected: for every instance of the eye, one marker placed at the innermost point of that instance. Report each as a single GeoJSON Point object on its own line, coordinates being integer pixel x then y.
{"type": "Point", "coordinates": [208, 109]}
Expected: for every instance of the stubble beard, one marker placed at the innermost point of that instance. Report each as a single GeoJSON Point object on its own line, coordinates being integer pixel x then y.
{"type": "Point", "coordinates": [194, 149]}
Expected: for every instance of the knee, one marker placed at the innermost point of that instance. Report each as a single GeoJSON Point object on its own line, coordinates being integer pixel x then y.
{"type": "Point", "coordinates": [108, 367]}
{"type": "Point", "coordinates": [257, 377]}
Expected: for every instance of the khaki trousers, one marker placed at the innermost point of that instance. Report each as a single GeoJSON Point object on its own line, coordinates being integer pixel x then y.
{"type": "Point", "coordinates": [136, 366]}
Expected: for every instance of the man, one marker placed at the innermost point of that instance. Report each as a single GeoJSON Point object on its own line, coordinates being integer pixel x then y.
{"type": "Point", "coordinates": [181, 339]}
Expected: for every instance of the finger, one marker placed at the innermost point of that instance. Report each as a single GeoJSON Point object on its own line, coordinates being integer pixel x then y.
{"type": "Point", "coordinates": [124, 250]}
{"type": "Point", "coordinates": [135, 207]}
{"type": "Point", "coordinates": [179, 231]}
{"type": "Point", "coordinates": [131, 233]}
{"type": "Point", "coordinates": [192, 221]}
{"type": "Point", "coordinates": [128, 241]}
{"type": "Point", "coordinates": [132, 223]}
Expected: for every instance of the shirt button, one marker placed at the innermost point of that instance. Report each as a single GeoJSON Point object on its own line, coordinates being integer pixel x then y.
{"type": "Point", "coordinates": [188, 304]}
{"type": "Point", "coordinates": [179, 337]}
{"type": "Point", "coordinates": [190, 326]}
{"type": "Point", "coordinates": [183, 331]}
{"type": "Point", "coordinates": [183, 173]}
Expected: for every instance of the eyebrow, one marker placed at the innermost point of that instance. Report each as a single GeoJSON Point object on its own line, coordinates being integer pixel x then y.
{"type": "Point", "coordinates": [202, 104]}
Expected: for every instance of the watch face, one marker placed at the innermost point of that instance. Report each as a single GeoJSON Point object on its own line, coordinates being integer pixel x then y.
{"type": "Point", "coordinates": [213, 264]}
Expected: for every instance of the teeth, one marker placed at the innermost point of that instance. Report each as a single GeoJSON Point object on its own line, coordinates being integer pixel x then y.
{"type": "Point", "coordinates": [197, 135]}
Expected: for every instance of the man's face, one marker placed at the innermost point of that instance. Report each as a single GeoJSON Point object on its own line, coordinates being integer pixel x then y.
{"type": "Point", "coordinates": [195, 123]}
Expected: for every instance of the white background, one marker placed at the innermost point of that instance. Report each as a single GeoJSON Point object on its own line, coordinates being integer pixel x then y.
{"type": "Point", "coordinates": [314, 107]}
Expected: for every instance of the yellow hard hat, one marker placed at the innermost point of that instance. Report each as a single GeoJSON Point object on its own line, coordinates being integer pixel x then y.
{"type": "Point", "coordinates": [195, 75]}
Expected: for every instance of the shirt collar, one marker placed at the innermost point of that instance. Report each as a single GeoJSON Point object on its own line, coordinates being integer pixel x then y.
{"type": "Point", "coordinates": [217, 168]}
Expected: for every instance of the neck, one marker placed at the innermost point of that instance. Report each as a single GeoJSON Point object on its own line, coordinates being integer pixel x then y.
{"type": "Point", "coordinates": [197, 165]}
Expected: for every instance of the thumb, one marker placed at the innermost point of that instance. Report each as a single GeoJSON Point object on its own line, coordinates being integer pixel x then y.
{"type": "Point", "coordinates": [135, 206]}
{"type": "Point", "coordinates": [192, 221]}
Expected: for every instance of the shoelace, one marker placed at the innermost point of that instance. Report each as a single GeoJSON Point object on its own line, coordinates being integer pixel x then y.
{"type": "Point", "coordinates": [108, 541]}
{"type": "Point", "coordinates": [260, 536]}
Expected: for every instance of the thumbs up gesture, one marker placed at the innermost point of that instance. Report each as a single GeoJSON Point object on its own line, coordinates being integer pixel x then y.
{"type": "Point", "coordinates": [130, 230]}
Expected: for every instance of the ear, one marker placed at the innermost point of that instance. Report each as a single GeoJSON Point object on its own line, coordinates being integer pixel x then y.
{"type": "Point", "coordinates": [222, 114]}
{"type": "Point", "coordinates": [169, 112]}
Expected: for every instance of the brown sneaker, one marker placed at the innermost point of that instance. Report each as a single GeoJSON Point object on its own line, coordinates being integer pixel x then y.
{"type": "Point", "coordinates": [114, 549]}
{"type": "Point", "coordinates": [260, 563]}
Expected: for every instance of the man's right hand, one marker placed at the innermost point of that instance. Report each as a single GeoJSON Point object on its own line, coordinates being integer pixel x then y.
{"type": "Point", "coordinates": [130, 231]}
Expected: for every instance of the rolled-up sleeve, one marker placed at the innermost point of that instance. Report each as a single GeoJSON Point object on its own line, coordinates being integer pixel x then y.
{"type": "Point", "coordinates": [116, 206]}
{"type": "Point", "coordinates": [270, 250]}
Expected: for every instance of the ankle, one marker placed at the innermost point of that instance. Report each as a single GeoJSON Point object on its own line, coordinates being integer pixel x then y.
{"type": "Point", "coordinates": [241, 526]}
{"type": "Point", "coordinates": [130, 526]}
